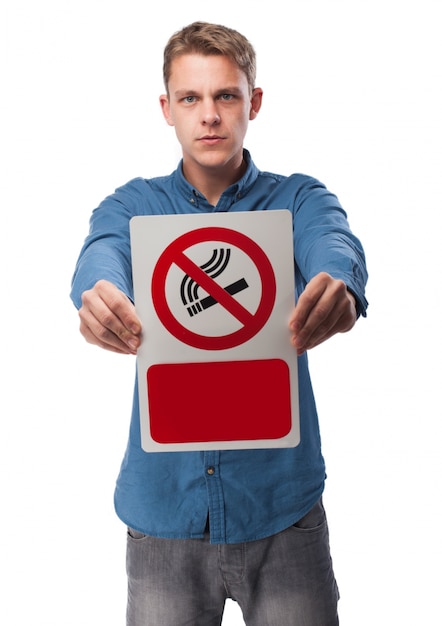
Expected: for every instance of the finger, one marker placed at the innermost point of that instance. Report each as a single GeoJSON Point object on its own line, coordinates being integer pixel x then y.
{"type": "Point", "coordinates": [92, 338]}
{"type": "Point", "coordinates": [322, 334]}
{"type": "Point", "coordinates": [308, 300]}
{"type": "Point", "coordinates": [101, 323]}
{"type": "Point", "coordinates": [103, 331]}
{"type": "Point", "coordinates": [120, 305]}
{"type": "Point", "coordinates": [338, 316]}
{"type": "Point", "coordinates": [312, 310]}
{"type": "Point", "coordinates": [317, 327]}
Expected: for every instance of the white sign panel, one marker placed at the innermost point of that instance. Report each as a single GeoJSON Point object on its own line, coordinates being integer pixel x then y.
{"type": "Point", "coordinates": [214, 293]}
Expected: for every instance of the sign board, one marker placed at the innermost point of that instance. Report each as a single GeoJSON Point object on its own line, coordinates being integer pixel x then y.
{"type": "Point", "coordinates": [214, 292]}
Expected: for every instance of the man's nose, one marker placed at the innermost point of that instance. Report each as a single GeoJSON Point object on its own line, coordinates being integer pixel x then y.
{"type": "Point", "coordinates": [210, 114]}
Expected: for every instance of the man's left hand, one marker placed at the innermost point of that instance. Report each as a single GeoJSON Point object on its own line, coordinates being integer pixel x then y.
{"type": "Point", "coordinates": [325, 308]}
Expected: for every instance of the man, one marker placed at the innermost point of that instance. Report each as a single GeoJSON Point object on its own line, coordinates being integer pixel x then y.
{"type": "Point", "coordinates": [244, 524]}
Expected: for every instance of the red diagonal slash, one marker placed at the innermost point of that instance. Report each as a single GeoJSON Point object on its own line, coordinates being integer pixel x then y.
{"type": "Point", "coordinates": [213, 289]}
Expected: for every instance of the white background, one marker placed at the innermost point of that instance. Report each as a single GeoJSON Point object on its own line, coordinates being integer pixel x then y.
{"type": "Point", "coordinates": [353, 97]}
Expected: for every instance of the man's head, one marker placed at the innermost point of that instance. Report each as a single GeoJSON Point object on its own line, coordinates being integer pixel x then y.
{"type": "Point", "coordinates": [209, 73]}
{"type": "Point", "coordinates": [211, 39]}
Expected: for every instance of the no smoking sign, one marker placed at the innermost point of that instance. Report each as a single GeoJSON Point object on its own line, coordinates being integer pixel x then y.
{"type": "Point", "coordinates": [200, 279]}
{"type": "Point", "coordinates": [214, 292]}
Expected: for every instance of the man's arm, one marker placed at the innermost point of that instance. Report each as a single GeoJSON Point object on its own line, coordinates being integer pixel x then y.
{"type": "Point", "coordinates": [108, 319]}
{"type": "Point", "coordinates": [325, 307]}
{"type": "Point", "coordinates": [101, 288]}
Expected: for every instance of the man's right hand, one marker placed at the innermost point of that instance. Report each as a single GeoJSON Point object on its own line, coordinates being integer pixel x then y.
{"type": "Point", "coordinates": [108, 319]}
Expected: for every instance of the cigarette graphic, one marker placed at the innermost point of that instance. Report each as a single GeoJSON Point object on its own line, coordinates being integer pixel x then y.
{"type": "Point", "coordinates": [213, 268]}
{"type": "Point", "coordinates": [209, 301]}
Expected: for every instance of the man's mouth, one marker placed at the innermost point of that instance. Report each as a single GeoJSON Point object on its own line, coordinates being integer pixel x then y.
{"type": "Point", "coordinates": [211, 139]}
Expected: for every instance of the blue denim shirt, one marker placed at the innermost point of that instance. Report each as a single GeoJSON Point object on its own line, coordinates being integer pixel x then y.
{"type": "Point", "coordinates": [248, 494]}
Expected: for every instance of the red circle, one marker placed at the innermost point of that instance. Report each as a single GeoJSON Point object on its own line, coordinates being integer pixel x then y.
{"type": "Point", "coordinates": [263, 265]}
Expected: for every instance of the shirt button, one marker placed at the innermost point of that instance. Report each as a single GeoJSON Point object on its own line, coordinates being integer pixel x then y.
{"type": "Point", "coordinates": [210, 471]}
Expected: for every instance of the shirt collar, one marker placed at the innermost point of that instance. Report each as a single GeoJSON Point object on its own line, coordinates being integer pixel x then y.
{"type": "Point", "coordinates": [234, 192]}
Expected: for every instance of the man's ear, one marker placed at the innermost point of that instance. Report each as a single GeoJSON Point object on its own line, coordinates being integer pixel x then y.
{"type": "Point", "coordinates": [256, 102]}
{"type": "Point", "coordinates": [164, 103]}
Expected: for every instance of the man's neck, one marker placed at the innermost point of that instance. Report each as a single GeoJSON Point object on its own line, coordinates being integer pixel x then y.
{"type": "Point", "coordinates": [212, 182]}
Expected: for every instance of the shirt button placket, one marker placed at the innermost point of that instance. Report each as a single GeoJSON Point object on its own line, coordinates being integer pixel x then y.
{"type": "Point", "coordinates": [216, 497]}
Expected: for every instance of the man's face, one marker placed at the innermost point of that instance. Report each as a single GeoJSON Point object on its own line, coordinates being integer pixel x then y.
{"type": "Point", "coordinates": [210, 105]}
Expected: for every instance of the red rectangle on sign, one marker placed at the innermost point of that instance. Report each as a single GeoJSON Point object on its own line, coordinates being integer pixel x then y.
{"type": "Point", "coordinates": [219, 401]}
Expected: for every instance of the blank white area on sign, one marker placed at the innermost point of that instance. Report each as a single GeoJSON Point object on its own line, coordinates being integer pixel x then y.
{"type": "Point", "coordinates": [352, 96]}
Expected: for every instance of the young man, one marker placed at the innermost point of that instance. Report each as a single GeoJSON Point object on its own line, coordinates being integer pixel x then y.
{"type": "Point", "coordinates": [245, 524]}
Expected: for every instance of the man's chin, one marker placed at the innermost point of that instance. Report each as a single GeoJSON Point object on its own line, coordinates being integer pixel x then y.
{"type": "Point", "coordinates": [215, 159]}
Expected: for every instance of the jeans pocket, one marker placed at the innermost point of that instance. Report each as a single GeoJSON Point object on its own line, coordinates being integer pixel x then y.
{"type": "Point", "coordinates": [134, 534]}
{"type": "Point", "coordinates": [313, 520]}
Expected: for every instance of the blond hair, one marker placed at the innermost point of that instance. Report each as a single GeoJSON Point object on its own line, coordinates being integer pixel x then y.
{"type": "Point", "coordinates": [204, 38]}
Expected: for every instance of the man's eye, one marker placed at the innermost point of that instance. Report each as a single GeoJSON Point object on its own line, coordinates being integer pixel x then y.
{"type": "Point", "coordinates": [189, 99]}
{"type": "Point", "coordinates": [227, 96]}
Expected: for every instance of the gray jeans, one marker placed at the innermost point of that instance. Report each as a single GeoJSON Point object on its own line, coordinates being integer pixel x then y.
{"type": "Point", "coordinates": [284, 580]}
